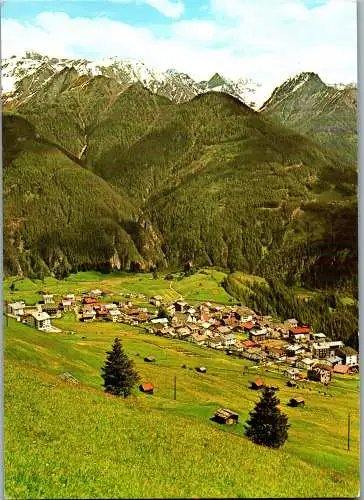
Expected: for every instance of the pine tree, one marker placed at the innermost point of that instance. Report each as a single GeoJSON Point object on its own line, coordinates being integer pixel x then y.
{"type": "Point", "coordinates": [164, 313]}
{"type": "Point", "coordinates": [118, 373]}
{"type": "Point", "coordinates": [267, 425]}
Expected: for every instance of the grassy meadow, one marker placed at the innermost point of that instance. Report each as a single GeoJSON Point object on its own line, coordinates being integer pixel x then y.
{"type": "Point", "coordinates": [73, 441]}
{"type": "Point", "coordinates": [202, 286]}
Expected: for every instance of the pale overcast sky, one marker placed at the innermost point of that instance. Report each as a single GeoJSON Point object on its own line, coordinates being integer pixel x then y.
{"type": "Point", "coordinates": [267, 40]}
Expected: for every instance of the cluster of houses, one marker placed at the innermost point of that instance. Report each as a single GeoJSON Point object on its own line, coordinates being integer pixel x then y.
{"type": "Point", "coordinates": [38, 316]}
{"type": "Point", "coordinates": [237, 330]}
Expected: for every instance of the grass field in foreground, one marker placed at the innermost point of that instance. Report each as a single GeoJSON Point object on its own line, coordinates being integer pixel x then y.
{"type": "Point", "coordinates": [63, 441]}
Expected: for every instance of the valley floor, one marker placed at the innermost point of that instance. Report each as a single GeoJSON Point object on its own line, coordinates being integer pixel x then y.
{"type": "Point", "coordinates": [73, 441]}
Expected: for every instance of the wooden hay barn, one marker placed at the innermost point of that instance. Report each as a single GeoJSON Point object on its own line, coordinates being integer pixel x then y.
{"type": "Point", "coordinates": [148, 388]}
{"type": "Point", "coordinates": [149, 359]}
{"type": "Point", "coordinates": [296, 402]}
{"type": "Point", "coordinates": [226, 416]}
{"type": "Point", "coordinates": [257, 384]}
{"type": "Point", "coordinates": [201, 369]}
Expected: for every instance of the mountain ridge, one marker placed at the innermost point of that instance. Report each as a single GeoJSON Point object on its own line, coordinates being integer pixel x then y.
{"type": "Point", "coordinates": [175, 85]}
{"type": "Point", "coordinates": [209, 180]}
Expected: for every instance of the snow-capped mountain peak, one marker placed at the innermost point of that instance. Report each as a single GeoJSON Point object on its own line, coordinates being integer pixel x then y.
{"type": "Point", "coordinates": [171, 83]}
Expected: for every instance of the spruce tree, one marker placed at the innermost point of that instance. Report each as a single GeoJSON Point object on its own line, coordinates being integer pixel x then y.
{"type": "Point", "coordinates": [118, 373]}
{"type": "Point", "coordinates": [267, 425]}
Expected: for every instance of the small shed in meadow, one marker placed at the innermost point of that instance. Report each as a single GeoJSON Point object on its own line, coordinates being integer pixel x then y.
{"type": "Point", "coordinates": [201, 369]}
{"type": "Point", "coordinates": [257, 384]}
{"type": "Point", "coordinates": [148, 388]}
{"type": "Point", "coordinates": [296, 402]}
{"type": "Point", "coordinates": [149, 359]}
{"type": "Point", "coordinates": [226, 416]}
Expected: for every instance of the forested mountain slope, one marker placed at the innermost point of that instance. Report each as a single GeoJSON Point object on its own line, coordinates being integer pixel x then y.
{"type": "Point", "coordinates": [209, 181]}
{"type": "Point", "coordinates": [60, 216]}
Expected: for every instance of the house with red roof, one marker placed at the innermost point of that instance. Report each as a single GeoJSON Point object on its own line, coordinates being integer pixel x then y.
{"type": "Point", "coordinates": [249, 343]}
{"type": "Point", "coordinates": [248, 326]}
{"type": "Point", "coordinates": [102, 313]}
{"type": "Point", "coordinates": [300, 333]}
{"type": "Point", "coordinates": [89, 300]}
{"type": "Point", "coordinates": [342, 369]}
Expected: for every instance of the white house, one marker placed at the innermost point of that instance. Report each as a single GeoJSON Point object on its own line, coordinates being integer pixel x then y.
{"type": "Point", "coordinates": [156, 300]}
{"type": "Point", "coordinates": [170, 309]}
{"type": "Point", "coordinates": [292, 323]}
{"type": "Point", "coordinates": [180, 306]}
{"type": "Point", "coordinates": [67, 304]}
{"type": "Point", "coordinates": [110, 305]}
{"type": "Point", "coordinates": [319, 337]}
{"type": "Point", "coordinates": [206, 325]}
{"type": "Point", "coordinates": [215, 343]}
{"type": "Point", "coordinates": [183, 332]}
{"type": "Point", "coordinates": [228, 339]}
{"type": "Point", "coordinates": [163, 321]}
{"type": "Point", "coordinates": [348, 355]}
{"type": "Point", "coordinates": [292, 373]}
{"type": "Point", "coordinates": [39, 320]}
{"type": "Point", "coordinates": [325, 349]}
{"type": "Point", "coordinates": [294, 349]}
{"type": "Point", "coordinates": [224, 330]}
{"type": "Point", "coordinates": [16, 308]}
{"type": "Point", "coordinates": [88, 315]}
{"type": "Point", "coordinates": [113, 315]}
{"type": "Point", "coordinates": [305, 363]}
{"type": "Point", "coordinates": [96, 293]}
{"type": "Point", "coordinates": [195, 338]}
{"type": "Point", "coordinates": [191, 319]}
{"type": "Point", "coordinates": [48, 299]}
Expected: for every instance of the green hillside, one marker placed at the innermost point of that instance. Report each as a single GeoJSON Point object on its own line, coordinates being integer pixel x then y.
{"type": "Point", "coordinates": [153, 446]}
{"type": "Point", "coordinates": [58, 215]}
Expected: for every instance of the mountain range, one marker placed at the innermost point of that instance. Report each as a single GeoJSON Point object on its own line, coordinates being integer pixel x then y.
{"type": "Point", "coordinates": [112, 165]}
{"type": "Point", "coordinates": [172, 84]}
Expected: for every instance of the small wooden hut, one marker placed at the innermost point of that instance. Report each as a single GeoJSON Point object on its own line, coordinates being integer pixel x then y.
{"type": "Point", "coordinates": [201, 369]}
{"type": "Point", "coordinates": [296, 402]}
{"type": "Point", "coordinates": [149, 359]}
{"type": "Point", "coordinates": [226, 416]}
{"type": "Point", "coordinates": [257, 384]}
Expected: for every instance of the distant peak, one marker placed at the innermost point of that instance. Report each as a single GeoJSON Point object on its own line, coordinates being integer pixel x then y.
{"type": "Point", "coordinates": [216, 80]}
{"type": "Point", "coordinates": [31, 54]}
{"type": "Point", "coordinates": [307, 76]}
